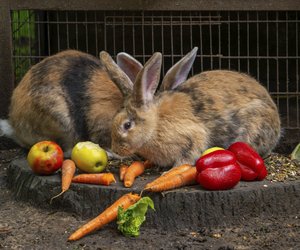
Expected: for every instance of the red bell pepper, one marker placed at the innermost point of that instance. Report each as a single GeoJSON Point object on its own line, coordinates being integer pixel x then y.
{"type": "Point", "coordinates": [252, 165]}
{"type": "Point", "coordinates": [215, 159]}
{"type": "Point", "coordinates": [218, 170]}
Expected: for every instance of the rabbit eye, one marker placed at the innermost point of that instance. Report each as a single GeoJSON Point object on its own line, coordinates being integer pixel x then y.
{"type": "Point", "coordinates": [127, 125]}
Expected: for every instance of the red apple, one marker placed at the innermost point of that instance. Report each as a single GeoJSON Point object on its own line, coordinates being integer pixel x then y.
{"type": "Point", "coordinates": [45, 157]}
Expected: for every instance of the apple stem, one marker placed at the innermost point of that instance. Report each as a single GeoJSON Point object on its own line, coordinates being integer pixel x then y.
{"type": "Point", "coordinates": [46, 149]}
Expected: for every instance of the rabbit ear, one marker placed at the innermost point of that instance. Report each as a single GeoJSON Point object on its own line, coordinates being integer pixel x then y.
{"type": "Point", "coordinates": [179, 72]}
{"type": "Point", "coordinates": [147, 80]}
{"type": "Point", "coordinates": [129, 65]}
{"type": "Point", "coordinates": [117, 75]}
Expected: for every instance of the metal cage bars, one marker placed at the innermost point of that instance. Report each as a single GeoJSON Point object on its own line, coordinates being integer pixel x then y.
{"type": "Point", "coordinates": [260, 43]}
{"type": "Point", "coordinates": [260, 38]}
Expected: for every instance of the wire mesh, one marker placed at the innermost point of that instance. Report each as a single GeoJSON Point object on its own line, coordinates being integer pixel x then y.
{"type": "Point", "coordinates": [261, 43]}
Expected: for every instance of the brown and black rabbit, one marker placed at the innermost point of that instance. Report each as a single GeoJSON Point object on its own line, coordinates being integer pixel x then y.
{"type": "Point", "coordinates": [69, 97]}
{"type": "Point", "coordinates": [214, 108]}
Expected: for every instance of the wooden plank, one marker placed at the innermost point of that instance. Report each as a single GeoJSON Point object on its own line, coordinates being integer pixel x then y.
{"type": "Point", "coordinates": [6, 65]}
{"type": "Point", "coordinates": [219, 5]}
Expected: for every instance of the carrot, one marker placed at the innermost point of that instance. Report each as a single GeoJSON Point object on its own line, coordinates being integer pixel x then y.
{"type": "Point", "coordinates": [185, 178]}
{"type": "Point", "coordinates": [99, 178]}
{"type": "Point", "coordinates": [108, 215]}
{"type": "Point", "coordinates": [67, 172]}
{"type": "Point", "coordinates": [171, 172]}
{"type": "Point", "coordinates": [123, 169]}
{"type": "Point", "coordinates": [134, 170]}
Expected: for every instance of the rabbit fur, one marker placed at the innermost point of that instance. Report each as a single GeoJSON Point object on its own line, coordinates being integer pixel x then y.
{"type": "Point", "coordinates": [213, 108]}
{"type": "Point", "coordinates": [69, 97]}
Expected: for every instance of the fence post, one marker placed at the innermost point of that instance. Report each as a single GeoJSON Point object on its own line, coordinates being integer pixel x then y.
{"type": "Point", "coordinates": [6, 64]}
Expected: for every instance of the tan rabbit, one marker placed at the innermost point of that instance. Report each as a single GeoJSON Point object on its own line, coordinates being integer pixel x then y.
{"type": "Point", "coordinates": [214, 108]}
{"type": "Point", "coordinates": [69, 97]}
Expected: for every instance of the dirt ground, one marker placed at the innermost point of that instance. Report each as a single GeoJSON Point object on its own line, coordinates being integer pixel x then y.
{"type": "Point", "coordinates": [23, 226]}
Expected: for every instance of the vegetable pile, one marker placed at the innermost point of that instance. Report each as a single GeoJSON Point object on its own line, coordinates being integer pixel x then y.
{"type": "Point", "coordinates": [216, 169]}
{"type": "Point", "coordinates": [223, 169]}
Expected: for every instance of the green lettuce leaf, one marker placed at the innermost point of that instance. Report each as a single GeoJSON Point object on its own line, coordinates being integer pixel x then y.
{"type": "Point", "coordinates": [130, 220]}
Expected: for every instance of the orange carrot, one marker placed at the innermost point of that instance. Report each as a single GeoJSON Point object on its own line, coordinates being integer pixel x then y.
{"type": "Point", "coordinates": [99, 178]}
{"type": "Point", "coordinates": [108, 215]}
{"type": "Point", "coordinates": [171, 172]}
{"type": "Point", "coordinates": [67, 172]}
{"type": "Point", "coordinates": [123, 169]}
{"type": "Point", "coordinates": [185, 178]}
{"type": "Point", "coordinates": [134, 170]}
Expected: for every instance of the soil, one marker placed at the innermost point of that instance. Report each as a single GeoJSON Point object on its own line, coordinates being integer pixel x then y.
{"type": "Point", "coordinates": [25, 226]}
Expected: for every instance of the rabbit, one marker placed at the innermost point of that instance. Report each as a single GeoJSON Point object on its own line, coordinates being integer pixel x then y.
{"type": "Point", "coordinates": [213, 108]}
{"type": "Point", "coordinates": [69, 97]}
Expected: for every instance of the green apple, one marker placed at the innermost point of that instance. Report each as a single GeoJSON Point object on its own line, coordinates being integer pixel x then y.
{"type": "Point", "coordinates": [89, 157]}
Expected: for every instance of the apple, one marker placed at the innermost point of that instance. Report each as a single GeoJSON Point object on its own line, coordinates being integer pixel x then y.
{"type": "Point", "coordinates": [89, 157]}
{"type": "Point", "coordinates": [209, 150]}
{"type": "Point", "coordinates": [45, 157]}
